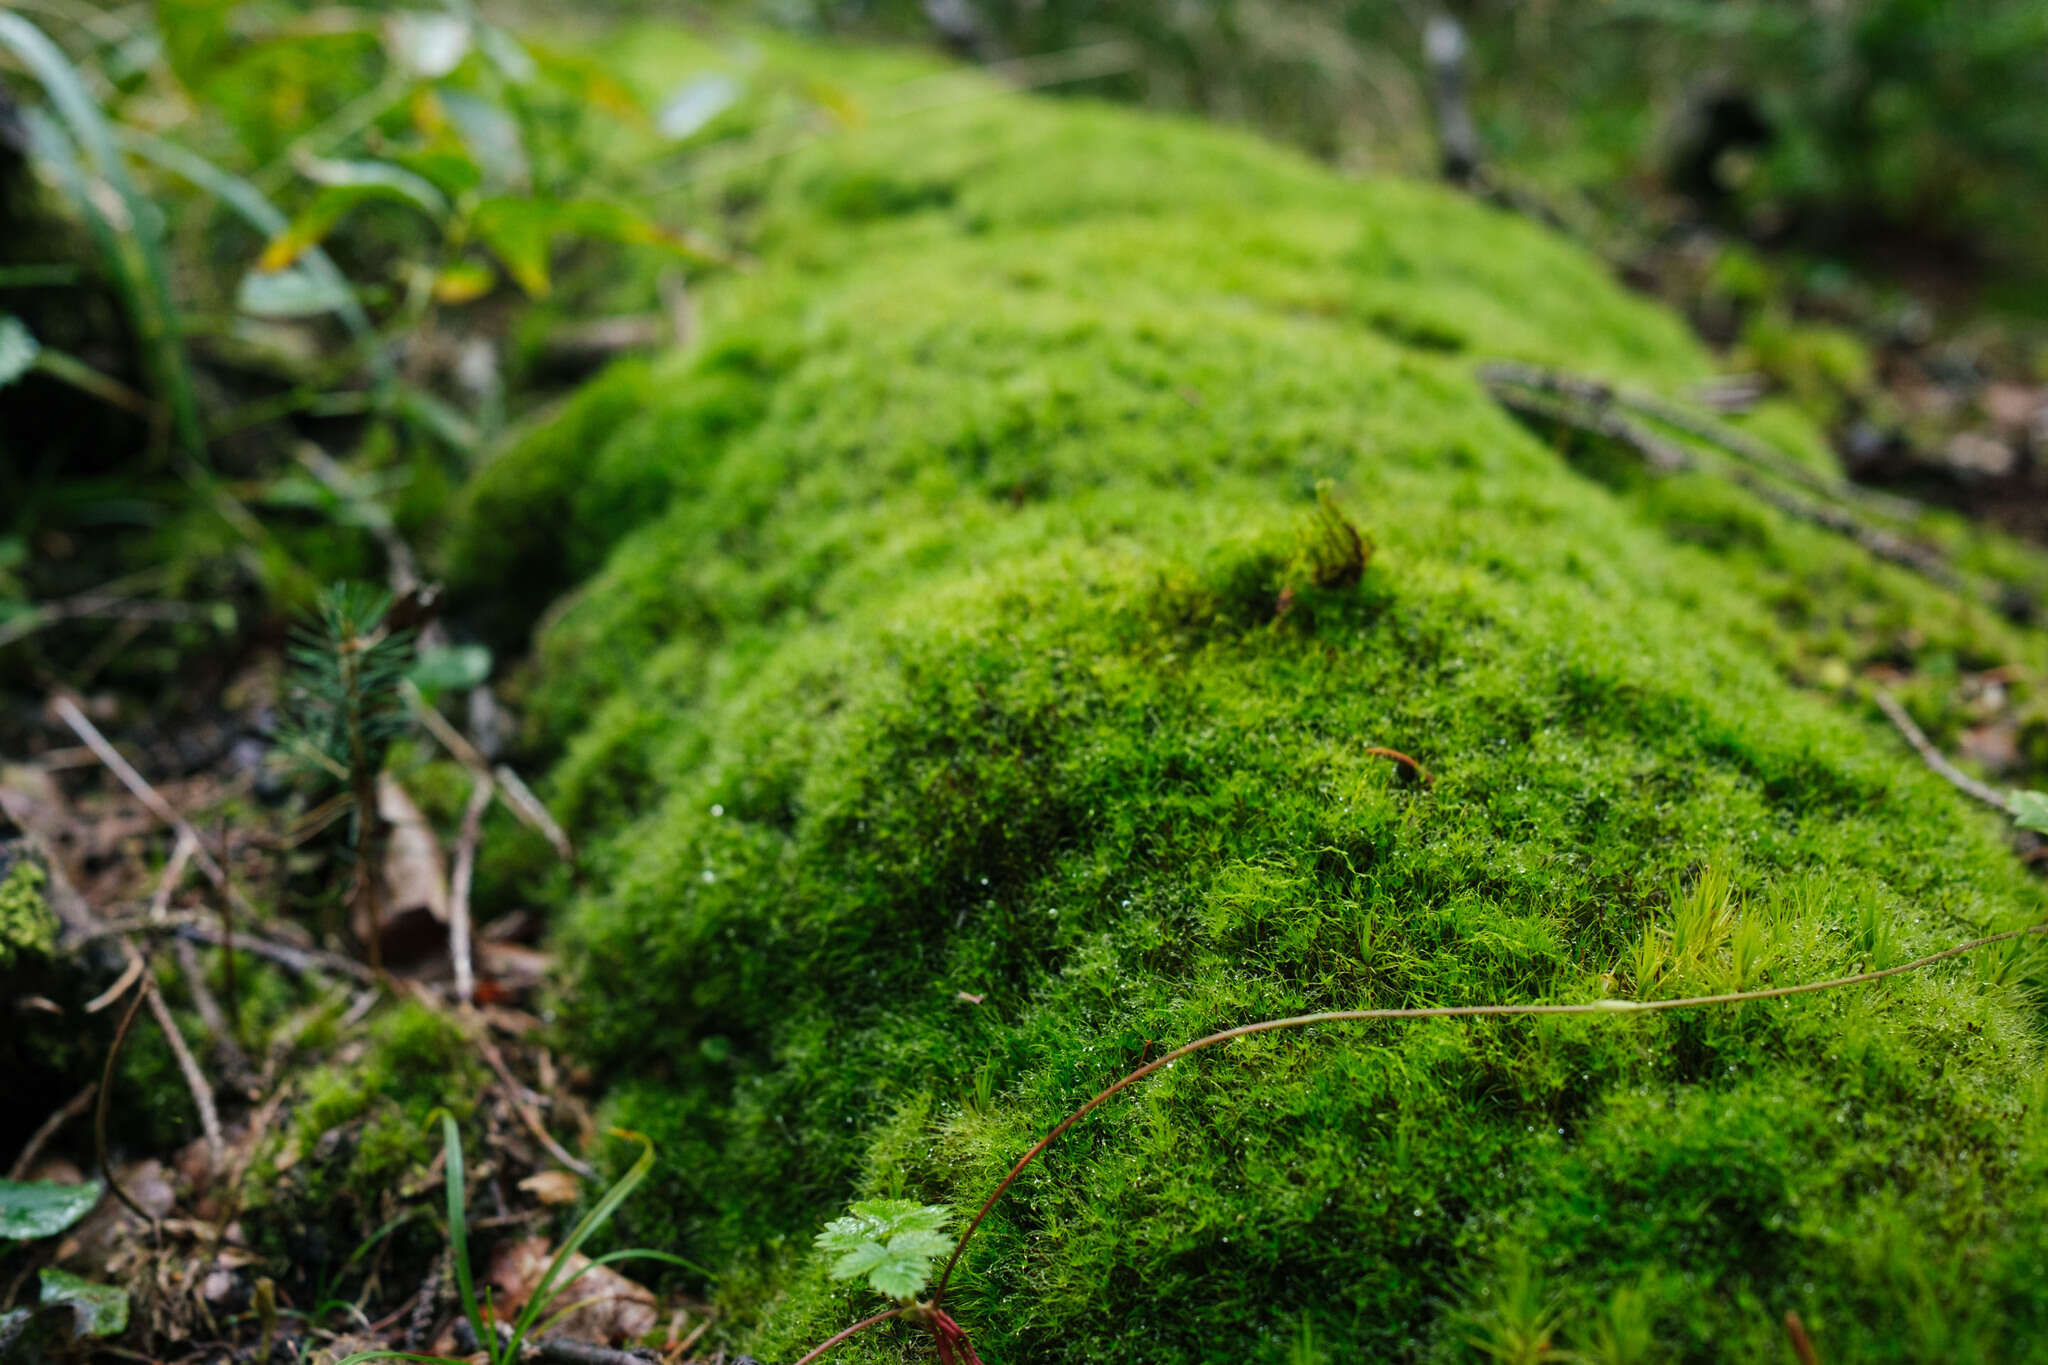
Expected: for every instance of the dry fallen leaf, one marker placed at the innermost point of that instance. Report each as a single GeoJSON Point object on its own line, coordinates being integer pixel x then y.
{"type": "Point", "coordinates": [551, 1187]}
{"type": "Point", "coordinates": [610, 1308]}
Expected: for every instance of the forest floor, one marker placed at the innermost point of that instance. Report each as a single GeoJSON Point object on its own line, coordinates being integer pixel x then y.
{"type": "Point", "coordinates": [252, 1088]}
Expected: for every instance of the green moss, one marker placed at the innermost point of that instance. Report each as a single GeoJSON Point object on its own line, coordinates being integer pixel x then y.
{"type": "Point", "coordinates": [28, 927]}
{"type": "Point", "coordinates": [354, 1159]}
{"type": "Point", "coordinates": [980, 661]}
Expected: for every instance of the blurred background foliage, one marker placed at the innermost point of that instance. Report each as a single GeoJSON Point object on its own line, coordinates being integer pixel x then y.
{"type": "Point", "coordinates": [275, 274]}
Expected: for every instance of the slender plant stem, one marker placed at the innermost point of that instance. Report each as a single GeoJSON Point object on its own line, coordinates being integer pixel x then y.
{"type": "Point", "coordinates": [1440, 1012]}
{"type": "Point", "coordinates": [822, 1347]}
{"type": "Point", "coordinates": [99, 1114]}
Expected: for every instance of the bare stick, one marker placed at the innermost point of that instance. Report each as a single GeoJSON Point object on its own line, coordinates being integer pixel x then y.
{"type": "Point", "coordinates": [99, 1113]}
{"type": "Point", "coordinates": [301, 960]}
{"type": "Point", "coordinates": [458, 888]}
{"type": "Point", "coordinates": [41, 1137]}
{"type": "Point", "coordinates": [517, 1094]}
{"type": "Point", "coordinates": [1421, 773]}
{"type": "Point", "coordinates": [195, 1079]}
{"type": "Point", "coordinates": [517, 796]}
{"type": "Point", "coordinates": [149, 797]}
{"type": "Point", "coordinates": [528, 808]}
{"type": "Point", "coordinates": [1445, 1012]}
{"type": "Point", "coordinates": [1935, 758]}
{"type": "Point", "coordinates": [174, 873]}
{"type": "Point", "coordinates": [130, 974]}
{"type": "Point", "coordinates": [1802, 1345]}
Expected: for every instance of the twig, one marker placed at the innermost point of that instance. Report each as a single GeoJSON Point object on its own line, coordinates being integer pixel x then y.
{"type": "Point", "coordinates": [458, 888]}
{"type": "Point", "coordinates": [33, 1148]}
{"type": "Point", "coordinates": [1446, 1012]}
{"type": "Point", "coordinates": [1802, 1345]}
{"type": "Point", "coordinates": [68, 711]}
{"type": "Point", "coordinates": [517, 796]}
{"type": "Point", "coordinates": [195, 1079]}
{"type": "Point", "coordinates": [302, 960]}
{"type": "Point", "coordinates": [1591, 406]}
{"type": "Point", "coordinates": [130, 974]}
{"type": "Point", "coordinates": [1935, 758]}
{"type": "Point", "coordinates": [1422, 774]}
{"type": "Point", "coordinates": [99, 1113]}
{"type": "Point", "coordinates": [174, 873]}
{"type": "Point", "coordinates": [528, 808]}
{"type": "Point", "coordinates": [515, 1092]}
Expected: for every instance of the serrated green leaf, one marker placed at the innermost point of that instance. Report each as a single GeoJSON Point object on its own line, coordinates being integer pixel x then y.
{"type": "Point", "coordinates": [18, 349]}
{"type": "Point", "coordinates": [42, 1208]}
{"type": "Point", "coordinates": [2029, 810]}
{"type": "Point", "coordinates": [859, 1261]}
{"type": "Point", "coordinates": [101, 1309]}
{"type": "Point", "coordinates": [891, 1241]}
{"type": "Point", "coordinates": [919, 1244]}
{"type": "Point", "coordinates": [901, 1279]}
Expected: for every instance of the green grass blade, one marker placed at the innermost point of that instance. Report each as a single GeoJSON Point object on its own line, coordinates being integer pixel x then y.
{"type": "Point", "coordinates": [255, 209]}
{"type": "Point", "coordinates": [144, 277]}
{"type": "Point", "coordinates": [545, 1292]}
{"type": "Point", "coordinates": [458, 1236]}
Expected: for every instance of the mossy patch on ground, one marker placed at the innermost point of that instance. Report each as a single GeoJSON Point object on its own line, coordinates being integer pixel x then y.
{"type": "Point", "coordinates": [949, 720]}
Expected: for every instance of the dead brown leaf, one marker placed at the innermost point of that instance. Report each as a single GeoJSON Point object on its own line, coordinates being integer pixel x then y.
{"type": "Point", "coordinates": [552, 1187]}
{"type": "Point", "coordinates": [610, 1308]}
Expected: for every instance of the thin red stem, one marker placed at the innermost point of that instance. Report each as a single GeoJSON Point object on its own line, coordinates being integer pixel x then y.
{"type": "Point", "coordinates": [1433, 1012]}
{"type": "Point", "coordinates": [822, 1347]}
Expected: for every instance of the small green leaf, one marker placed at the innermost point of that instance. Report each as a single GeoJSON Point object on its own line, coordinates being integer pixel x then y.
{"type": "Point", "coordinates": [101, 1309]}
{"type": "Point", "coordinates": [426, 44]}
{"type": "Point", "coordinates": [450, 668]}
{"type": "Point", "coordinates": [698, 102]}
{"type": "Point", "coordinates": [18, 349]}
{"type": "Point", "coordinates": [42, 1208]}
{"type": "Point", "coordinates": [296, 292]}
{"type": "Point", "coordinates": [2029, 810]}
{"type": "Point", "coordinates": [891, 1241]}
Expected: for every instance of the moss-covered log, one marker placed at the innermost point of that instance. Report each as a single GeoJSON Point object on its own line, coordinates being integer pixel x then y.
{"type": "Point", "coordinates": [952, 708]}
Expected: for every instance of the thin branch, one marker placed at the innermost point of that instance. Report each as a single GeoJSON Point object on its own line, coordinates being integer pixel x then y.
{"type": "Point", "coordinates": [529, 809]}
{"type": "Point", "coordinates": [1421, 773]}
{"type": "Point", "coordinates": [99, 1114]}
{"type": "Point", "coordinates": [1935, 758]}
{"type": "Point", "coordinates": [305, 961]}
{"type": "Point", "coordinates": [68, 711]}
{"type": "Point", "coordinates": [517, 796]}
{"type": "Point", "coordinates": [459, 882]}
{"type": "Point", "coordinates": [77, 1105]}
{"type": "Point", "coordinates": [516, 1093]}
{"type": "Point", "coordinates": [195, 1079]}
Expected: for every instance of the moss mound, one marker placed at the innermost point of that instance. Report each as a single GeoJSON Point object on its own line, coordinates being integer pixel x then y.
{"type": "Point", "coordinates": [959, 699]}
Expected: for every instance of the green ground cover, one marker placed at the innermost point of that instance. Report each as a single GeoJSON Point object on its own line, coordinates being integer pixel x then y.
{"type": "Point", "coordinates": [943, 675]}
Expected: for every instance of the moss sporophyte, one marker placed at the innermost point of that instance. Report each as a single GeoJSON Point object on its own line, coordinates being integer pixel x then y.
{"type": "Point", "coordinates": [967, 624]}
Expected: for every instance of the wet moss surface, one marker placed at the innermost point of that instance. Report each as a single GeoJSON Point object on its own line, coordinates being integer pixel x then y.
{"type": "Point", "coordinates": [936, 672]}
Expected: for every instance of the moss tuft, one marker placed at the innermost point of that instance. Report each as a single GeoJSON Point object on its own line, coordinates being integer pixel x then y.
{"type": "Point", "coordinates": [28, 927]}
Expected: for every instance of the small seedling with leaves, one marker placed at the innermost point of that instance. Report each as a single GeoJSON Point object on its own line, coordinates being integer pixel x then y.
{"type": "Point", "coordinates": [346, 709]}
{"type": "Point", "coordinates": [892, 1243]}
